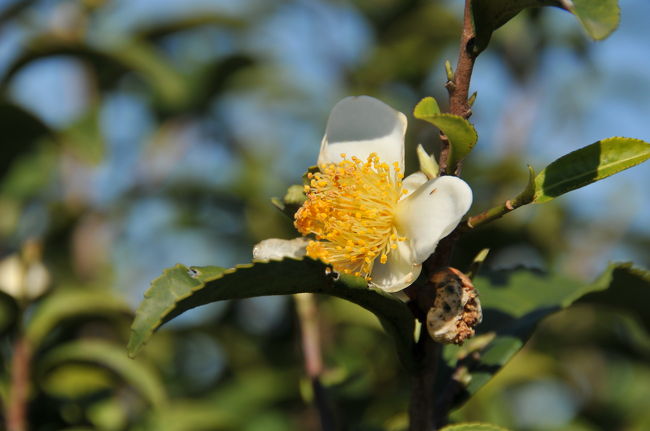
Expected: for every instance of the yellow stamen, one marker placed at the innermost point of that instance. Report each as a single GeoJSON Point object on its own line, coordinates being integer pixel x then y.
{"type": "Point", "coordinates": [350, 209]}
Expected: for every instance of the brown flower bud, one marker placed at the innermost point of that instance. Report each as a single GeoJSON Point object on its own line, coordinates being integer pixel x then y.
{"type": "Point", "coordinates": [456, 308]}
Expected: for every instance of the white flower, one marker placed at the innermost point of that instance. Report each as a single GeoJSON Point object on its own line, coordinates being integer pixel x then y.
{"type": "Point", "coordinates": [23, 280]}
{"type": "Point", "coordinates": [365, 219]}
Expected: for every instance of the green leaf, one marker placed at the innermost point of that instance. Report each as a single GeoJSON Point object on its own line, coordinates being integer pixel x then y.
{"type": "Point", "coordinates": [589, 164]}
{"type": "Point", "coordinates": [180, 289]}
{"type": "Point", "coordinates": [72, 304]}
{"type": "Point", "coordinates": [623, 287]}
{"type": "Point", "coordinates": [473, 426]}
{"type": "Point", "coordinates": [20, 132]}
{"type": "Point", "coordinates": [528, 194]}
{"type": "Point", "coordinates": [113, 358]}
{"type": "Point", "coordinates": [513, 303]}
{"type": "Point", "coordinates": [461, 134]}
{"type": "Point", "coordinates": [599, 18]}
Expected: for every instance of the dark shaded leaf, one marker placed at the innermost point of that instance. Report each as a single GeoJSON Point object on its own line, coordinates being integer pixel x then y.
{"type": "Point", "coordinates": [514, 302]}
{"type": "Point", "coordinates": [180, 289]}
{"type": "Point", "coordinates": [599, 18]}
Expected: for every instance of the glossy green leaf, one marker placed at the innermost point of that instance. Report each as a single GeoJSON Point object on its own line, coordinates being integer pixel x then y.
{"type": "Point", "coordinates": [112, 357]}
{"type": "Point", "coordinates": [473, 426]}
{"type": "Point", "coordinates": [461, 134]}
{"type": "Point", "coordinates": [513, 302]}
{"type": "Point", "coordinates": [599, 18]}
{"type": "Point", "coordinates": [72, 304]}
{"type": "Point", "coordinates": [589, 164]}
{"type": "Point", "coordinates": [180, 289]}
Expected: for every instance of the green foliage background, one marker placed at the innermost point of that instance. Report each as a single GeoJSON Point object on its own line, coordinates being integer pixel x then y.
{"type": "Point", "coordinates": [173, 128]}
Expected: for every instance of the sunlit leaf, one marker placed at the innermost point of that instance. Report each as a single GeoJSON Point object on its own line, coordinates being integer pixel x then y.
{"type": "Point", "coordinates": [599, 18]}
{"type": "Point", "coordinates": [461, 134]}
{"type": "Point", "coordinates": [626, 288]}
{"type": "Point", "coordinates": [589, 164]}
{"type": "Point", "coordinates": [72, 304]}
{"type": "Point", "coordinates": [112, 357]}
{"type": "Point", "coordinates": [513, 302]}
{"type": "Point", "coordinates": [180, 289]}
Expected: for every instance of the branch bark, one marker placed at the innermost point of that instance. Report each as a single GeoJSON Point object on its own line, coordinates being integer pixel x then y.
{"type": "Point", "coordinates": [458, 88]}
{"type": "Point", "coordinates": [19, 389]}
{"type": "Point", "coordinates": [422, 414]}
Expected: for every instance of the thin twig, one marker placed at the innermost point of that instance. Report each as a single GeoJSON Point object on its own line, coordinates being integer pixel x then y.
{"type": "Point", "coordinates": [422, 409]}
{"type": "Point", "coordinates": [458, 88]}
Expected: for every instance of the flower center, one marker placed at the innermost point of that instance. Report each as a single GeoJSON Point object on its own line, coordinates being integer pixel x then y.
{"type": "Point", "coordinates": [350, 209]}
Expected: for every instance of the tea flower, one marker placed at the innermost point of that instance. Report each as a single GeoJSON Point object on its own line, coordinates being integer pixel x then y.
{"type": "Point", "coordinates": [366, 218]}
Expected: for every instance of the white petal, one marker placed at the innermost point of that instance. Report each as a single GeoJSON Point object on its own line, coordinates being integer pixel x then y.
{"type": "Point", "coordinates": [413, 181]}
{"type": "Point", "coordinates": [398, 272]}
{"type": "Point", "coordinates": [11, 276]}
{"type": "Point", "coordinates": [358, 126]}
{"type": "Point", "coordinates": [432, 212]}
{"type": "Point", "coordinates": [278, 249]}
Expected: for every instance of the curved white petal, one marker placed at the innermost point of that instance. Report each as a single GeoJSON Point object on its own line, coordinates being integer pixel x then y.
{"type": "Point", "coordinates": [278, 249]}
{"type": "Point", "coordinates": [413, 181]}
{"type": "Point", "coordinates": [432, 212]}
{"type": "Point", "coordinates": [358, 126]}
{"type": "Point", "coordinates": [398, 272]}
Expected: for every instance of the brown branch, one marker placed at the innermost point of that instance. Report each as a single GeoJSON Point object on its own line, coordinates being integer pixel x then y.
{"type": "Point", "coordinates": [310, 337]}
{"type": "Point", "coordinates": [422, 395]}
{"type": "Point", "coordinates": [422, 408]}
{"type": "Point", "coordinates": [19, 389]}
{"type": "Point", "coordinates": [458, 88]}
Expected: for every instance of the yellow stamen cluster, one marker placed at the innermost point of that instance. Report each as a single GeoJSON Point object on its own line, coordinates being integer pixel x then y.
{"type": "Point", "coordinates": [350, 209]}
